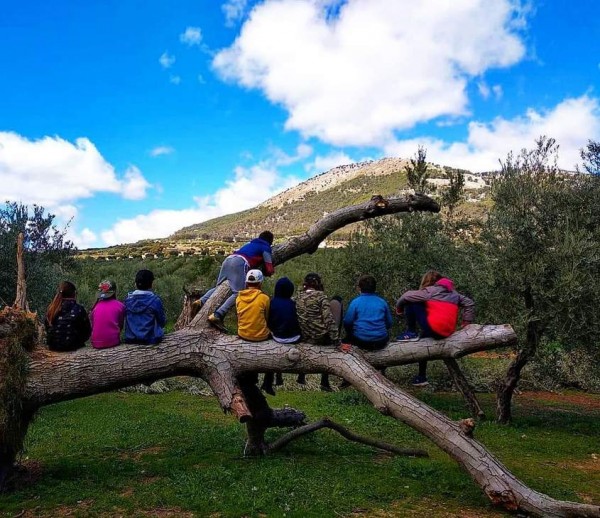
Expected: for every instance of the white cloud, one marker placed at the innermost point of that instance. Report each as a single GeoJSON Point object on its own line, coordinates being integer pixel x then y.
{"type": "Point", "coordinates": [572, 123]}
{"type": "Point", "coordinates": [134, 184]}
{"type": "Point", "coordinates": [192, 36]}
{"type": "Point", "coordinates": [280, 158]}
{"type": "Point", "coordinates": [54, 173]}
{"type": "Point", "coordinates": [166, 60]}
{"type": "Point", "coordinates": [323, 163]}
{"type": "Point", "coordinates": [249, 187]}
{"type": "Point", "coordinates": [161, 150]}
{"type": "Point", "coordinates": [175, 80]}
{"type": "Point", "coordinates": [234, 11]}
{"type": "Point", "coordinates": [84, 239]}
{"type": "Point", "coordinates": [353, 73]}
{"type": "Point", "coordinates": [201, 79]}
{"type": "Point", "coordinates": [484, 89]}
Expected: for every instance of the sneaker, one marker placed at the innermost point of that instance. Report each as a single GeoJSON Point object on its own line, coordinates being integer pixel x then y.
{"type": "Point", "coordinates": [420, 381]}
{"type": "Point", "coordinates": [216, 321]}
{"type": "Point", "coordinates": [197, 304]}
{"type": "Point", "coordinates": [407, 336]}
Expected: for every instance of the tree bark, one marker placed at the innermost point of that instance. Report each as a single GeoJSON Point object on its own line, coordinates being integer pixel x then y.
{"type": "Point", "coordinates": [464, 387]}
{"type": "Point", "coordinates": [507, 387]}
{"type": "Point", "coordinates": [228, 364]}
{"type": "Point", "coordinates": [344, 432]}
{"type": "Point", "coordinates": [21, 297]}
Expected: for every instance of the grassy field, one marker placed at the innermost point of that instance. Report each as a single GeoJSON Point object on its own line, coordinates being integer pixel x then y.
{"type": "Point", "coordinates": [176, 454]}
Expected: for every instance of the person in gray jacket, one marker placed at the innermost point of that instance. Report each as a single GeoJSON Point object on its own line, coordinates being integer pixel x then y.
{"type": "Point", "coordinates": [434, 309]}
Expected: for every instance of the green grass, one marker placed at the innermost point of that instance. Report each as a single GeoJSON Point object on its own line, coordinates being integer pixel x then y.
{"type": "Point", "coordinates": [130, 454]}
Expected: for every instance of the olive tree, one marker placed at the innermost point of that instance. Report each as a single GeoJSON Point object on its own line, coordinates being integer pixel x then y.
{"type": "Point", "coordinates": [542, 257]}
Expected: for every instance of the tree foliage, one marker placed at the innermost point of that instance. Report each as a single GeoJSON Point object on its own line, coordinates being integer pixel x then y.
{"type": "Point", "coordinates": [417, 173]}
{"type": "Point", "coordinates": [542, 248]}
{"type": "Point", "coordinates": [47, 252]}
{"type": "Point", "coordinates": [591, 157]}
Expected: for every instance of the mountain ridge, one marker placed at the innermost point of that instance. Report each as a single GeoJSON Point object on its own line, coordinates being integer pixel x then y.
{"type": "Point", "coordinates": [292, 211]}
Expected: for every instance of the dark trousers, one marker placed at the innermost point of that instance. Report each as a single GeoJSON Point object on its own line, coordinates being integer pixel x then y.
{"type": "Point", "coordinates": [415, 317]}
{"type": "Point", "coordinates": [367, 345]}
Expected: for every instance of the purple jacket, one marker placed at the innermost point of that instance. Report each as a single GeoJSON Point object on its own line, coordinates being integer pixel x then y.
{"type": "Point", "coordinates": [107, 318]}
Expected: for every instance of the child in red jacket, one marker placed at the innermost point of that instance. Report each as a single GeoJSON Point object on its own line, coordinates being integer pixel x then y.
{"type": "Point", "coordinates": [434, 309]}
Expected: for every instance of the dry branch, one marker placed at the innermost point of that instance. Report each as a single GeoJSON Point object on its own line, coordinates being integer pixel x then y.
{"type": "Point", "coordinates": [344, 432]}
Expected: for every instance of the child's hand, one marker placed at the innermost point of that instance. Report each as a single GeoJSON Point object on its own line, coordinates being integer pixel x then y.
{"type": "Point", "coordinates": [345, 348]}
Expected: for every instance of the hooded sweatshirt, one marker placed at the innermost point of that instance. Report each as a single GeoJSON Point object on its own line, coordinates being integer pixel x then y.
{"type": "Point", "coordinates": [443, 304]}
{"type": "Point", "coordinates": [252, 313]}
{"type": "Point", "coordinates": [283, 319]}
{"type": "Point", "coordinates": [107, 318]}
{"type": "Point", "coordinates": [144, 317]}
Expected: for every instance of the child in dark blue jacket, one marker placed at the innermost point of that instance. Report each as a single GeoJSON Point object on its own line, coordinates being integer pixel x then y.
{"type": "Point", "coordinates": [144, 312]}
{"type": "Point", "coordinates": [283, 324]}
{"type": "Point", "coordinates": [283, 319]}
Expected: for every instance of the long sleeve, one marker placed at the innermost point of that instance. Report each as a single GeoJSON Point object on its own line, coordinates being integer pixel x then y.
{"type": "Point", "coordinates": [329, 321]}
{"type": "Point", "coordinates": [468, 307]}
{"type": "Point", "coordinates": [161, 317]}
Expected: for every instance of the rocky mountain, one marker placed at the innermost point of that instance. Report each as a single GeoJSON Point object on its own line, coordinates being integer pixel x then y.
{"type": "Point", "coordinates": [294, 210]}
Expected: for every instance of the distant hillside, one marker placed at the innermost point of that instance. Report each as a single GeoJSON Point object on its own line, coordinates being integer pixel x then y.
{"type": "Point", "coordinates": [295, 209]}
{"type": "Point", "coordinates": [292, 211]}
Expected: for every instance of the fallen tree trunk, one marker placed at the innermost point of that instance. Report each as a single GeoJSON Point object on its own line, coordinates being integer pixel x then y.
{"type": "Point", "coordinates": [225, 362]}
{"type": "Point", "coordinates": [220, 359]}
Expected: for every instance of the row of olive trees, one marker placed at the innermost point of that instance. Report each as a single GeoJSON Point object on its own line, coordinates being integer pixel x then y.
{"type": "Point", "coordinates": [531, 261]}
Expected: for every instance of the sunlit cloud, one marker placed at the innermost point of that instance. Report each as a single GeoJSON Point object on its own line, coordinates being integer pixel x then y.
{"type": "Point", "coordinates": [354, 73]}
{"type": "Point", "coordinates": [572, 123]}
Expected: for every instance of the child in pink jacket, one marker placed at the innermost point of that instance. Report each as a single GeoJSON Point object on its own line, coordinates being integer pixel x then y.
{"type": "Point", "coordinates": [107, 317]}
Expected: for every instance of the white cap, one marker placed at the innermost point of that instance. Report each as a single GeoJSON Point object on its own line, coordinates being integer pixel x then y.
{"type": "Point", "coordinates": [254, 276]}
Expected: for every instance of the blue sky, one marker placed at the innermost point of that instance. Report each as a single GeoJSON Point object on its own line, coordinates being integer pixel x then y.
{"type": "Point", "coordinates": [133, 119]}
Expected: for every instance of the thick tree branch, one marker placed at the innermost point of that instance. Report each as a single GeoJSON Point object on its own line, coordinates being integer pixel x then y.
{"type": "Point", "coordinates": [56, 377]}
{"type": "Point", "coordinates": [309, 241]}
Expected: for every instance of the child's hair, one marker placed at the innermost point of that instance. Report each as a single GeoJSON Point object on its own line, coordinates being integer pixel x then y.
{"type": "Point", "coordinates": [313, 281]}
{"type": "Point", "coordinates": [144, 279]}
{"type": "Point", "coordinates": [367, 283]}
{"type": "Point", "coordinates": [266, 236]}
{"type": "Point", "coordinates": [66, 290]}
{"type": "Point", "coordinates": [430, 278]}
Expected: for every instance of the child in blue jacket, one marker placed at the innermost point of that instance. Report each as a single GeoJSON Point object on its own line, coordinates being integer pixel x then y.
{"type": "Point", "coordinates": [144, 312]}
{"type": "Point", "coordinates": [369, 318]}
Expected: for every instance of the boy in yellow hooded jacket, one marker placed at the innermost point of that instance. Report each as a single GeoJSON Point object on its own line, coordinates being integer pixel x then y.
{"type": "Point", "coordinates": [252, 307]}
